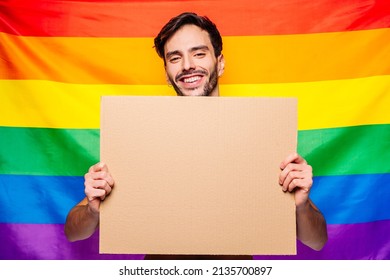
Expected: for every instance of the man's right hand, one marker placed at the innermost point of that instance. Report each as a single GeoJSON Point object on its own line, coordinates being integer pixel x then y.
{"type": "Point", "coordinates": [98, 185]}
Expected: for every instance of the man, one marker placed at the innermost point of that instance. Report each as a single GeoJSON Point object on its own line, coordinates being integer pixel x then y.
{"type": "Point", "coordinates": [191, 47]}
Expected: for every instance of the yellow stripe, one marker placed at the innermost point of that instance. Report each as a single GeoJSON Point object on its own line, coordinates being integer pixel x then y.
{"type": "Point", "coordinates": [249, 60]}
{"type": "Point", "coordinates": [328, 104]}
{"type": "Point", "coordinates": [34, 103]}
{"type": "Point", "coordinates": [320, 104]}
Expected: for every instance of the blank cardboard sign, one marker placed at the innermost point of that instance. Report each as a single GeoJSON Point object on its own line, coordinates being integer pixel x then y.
{"type": "Point", "coordinates": [197, 175]}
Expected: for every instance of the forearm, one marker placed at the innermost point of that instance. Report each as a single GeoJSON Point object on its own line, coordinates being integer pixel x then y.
{"type": "Point", "coordinates": [81, 223]}
{"type": "Point", "coordinates": [311, 226]}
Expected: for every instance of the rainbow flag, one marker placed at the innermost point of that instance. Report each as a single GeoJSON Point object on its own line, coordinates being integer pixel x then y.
{"type": "Point", "coordinates": [57, 58]}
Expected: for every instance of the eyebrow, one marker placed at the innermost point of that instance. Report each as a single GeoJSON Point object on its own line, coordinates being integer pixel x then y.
{"type": "Point", "coordinates": [201, 47]}
{"type": "Point", "coordinates": [193, 49]}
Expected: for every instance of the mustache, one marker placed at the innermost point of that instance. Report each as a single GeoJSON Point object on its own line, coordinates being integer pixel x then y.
{"type": "Point", "coordinates": [191, 72]}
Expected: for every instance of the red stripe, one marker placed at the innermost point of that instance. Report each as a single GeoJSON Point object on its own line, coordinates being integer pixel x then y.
{"type": "Point", "coordinates": [145, 18]}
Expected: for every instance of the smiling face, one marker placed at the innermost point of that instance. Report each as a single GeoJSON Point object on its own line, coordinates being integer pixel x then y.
{"type": "Point", "coordinates": [190, 63]}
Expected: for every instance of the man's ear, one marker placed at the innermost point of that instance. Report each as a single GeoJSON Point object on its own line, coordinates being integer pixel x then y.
{"type": "Point", "coordinates": [221, 65]}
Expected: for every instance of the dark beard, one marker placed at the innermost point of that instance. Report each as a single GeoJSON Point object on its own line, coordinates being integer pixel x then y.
{"type": "Point", "coordinates": [208, 87]}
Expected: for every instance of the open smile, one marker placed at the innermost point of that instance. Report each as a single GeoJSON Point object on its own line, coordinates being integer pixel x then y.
{"type": "Point", "coordinates": [191, 80]}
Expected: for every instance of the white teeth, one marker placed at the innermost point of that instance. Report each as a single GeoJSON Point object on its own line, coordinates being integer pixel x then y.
{"type": "Point", "coordinates": [192, 79]}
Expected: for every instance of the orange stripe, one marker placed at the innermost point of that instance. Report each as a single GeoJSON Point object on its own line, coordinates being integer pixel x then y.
{"type": "Point", "coordinates": [249, 60]}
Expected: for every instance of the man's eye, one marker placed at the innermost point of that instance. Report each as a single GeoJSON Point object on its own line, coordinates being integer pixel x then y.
{"type": "Point", "coordinates": [200, 55]}
{"type": "Point", "coordinates": [174, 59]}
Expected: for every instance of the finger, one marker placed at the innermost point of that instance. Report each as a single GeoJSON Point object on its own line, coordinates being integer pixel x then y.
{"type": "Point", "coordinates": [94, 168]}
{"type": "Point", "coordinates": [100, 184]}
{"type": "Point", "coordinates": [95, 189]}
{"type": "Point", "coordinates": [102, 175]}
{"type": "Point", "coordinates": [103, 166]}
{"type": "Point", "coordinates": [107, 189]}
{"type": "Point", "coordinates": [99, 171]}
{"type": "Point", "coordinates": [100, 166]}
{"type": "Point", "coordinates": [91, 184]}
{"type": "Point", "coordinates": [292, 158]}
{"type": "Point", "coordinates": [291, 167]}
{"type": "Point", "coordinates": [298, 183]}
{"type": "Point", "coordinates": [292, 175]}
{"type": "Point", "coordinates": [92, 194]}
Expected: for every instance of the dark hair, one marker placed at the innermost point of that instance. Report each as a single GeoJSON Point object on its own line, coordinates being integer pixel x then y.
{"type": "Point", "coordinates": [188, 18]}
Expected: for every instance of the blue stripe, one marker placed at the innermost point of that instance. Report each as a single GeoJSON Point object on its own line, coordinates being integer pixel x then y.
{"type": "Point", "coordinates": [38, 199]}
{"type": "Point", "coordinates": [48, 199]}
{"type": "Point", "coordinates": [352, 198]}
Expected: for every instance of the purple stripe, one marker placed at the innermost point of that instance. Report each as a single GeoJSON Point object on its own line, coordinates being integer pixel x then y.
{"type": "Point", "coordinates": [47, 242]}
{"type": "Point", "coordinates": [348, 242]}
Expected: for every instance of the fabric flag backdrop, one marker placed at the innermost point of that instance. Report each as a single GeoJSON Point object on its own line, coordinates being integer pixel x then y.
{"type": "Point", "coordinates": [58, 57]}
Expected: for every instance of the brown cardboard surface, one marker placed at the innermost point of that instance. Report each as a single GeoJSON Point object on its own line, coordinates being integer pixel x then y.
{"type": "Point", "coordinates": [197, 175]}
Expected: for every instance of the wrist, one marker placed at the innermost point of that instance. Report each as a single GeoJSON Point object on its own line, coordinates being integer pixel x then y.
{"type": "Point", "coordinates": [91, 211]}
{"type": "Point", "coordinates": [303, 207]}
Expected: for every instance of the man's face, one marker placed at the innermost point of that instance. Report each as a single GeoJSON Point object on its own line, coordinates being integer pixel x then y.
{"type": "Point", "coordinates": [191, 66]}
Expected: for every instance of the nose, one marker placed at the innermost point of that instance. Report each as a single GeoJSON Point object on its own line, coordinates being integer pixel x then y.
{"type": "Point", "coordinates": [188, 63]}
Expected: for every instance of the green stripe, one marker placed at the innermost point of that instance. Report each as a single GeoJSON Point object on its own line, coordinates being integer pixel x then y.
{"type": "Point", "coordinates": [70, 152]}
{"type": "Point", "coordinates": [347, 150]}
{"type": "Point", "coordinates": [43, 151]}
